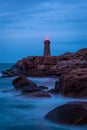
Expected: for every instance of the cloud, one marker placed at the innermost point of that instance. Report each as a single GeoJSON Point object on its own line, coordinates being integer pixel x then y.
{"type": "Point", "coordinates": [32, 20]}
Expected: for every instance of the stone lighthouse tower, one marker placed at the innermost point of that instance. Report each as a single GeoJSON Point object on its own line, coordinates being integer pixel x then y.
{"type": "Point", "coordinates": [47, 47]}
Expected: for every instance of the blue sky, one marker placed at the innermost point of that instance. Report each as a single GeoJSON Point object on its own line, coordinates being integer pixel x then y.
{"type": "Point", "coordinates": [24, 24]}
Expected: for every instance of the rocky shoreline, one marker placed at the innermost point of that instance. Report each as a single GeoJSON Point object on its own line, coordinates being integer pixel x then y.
{"type": "Point", "coordinates": [69, 68]}
{"type": "Point", "coordinates": [71, 71]}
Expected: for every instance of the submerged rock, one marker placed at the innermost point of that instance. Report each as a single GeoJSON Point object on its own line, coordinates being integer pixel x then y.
{"type": "Point", "coordinates": [43, 87]}
{"type": "Point", "coordinates": [39, 94]}
{"type": "Point", "coordinates": [73, 113]}
{"type": "Point", "coordinates": [53, 91]}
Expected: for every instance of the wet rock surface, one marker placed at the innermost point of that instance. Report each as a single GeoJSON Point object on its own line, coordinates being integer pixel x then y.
{"type": "Point", "coordinates": [74, 84]}
{"type": "Point", "coordinates": [24, 84]}
{"type": "Point", "coordinates": [73, 113]}
{"type": "Point", "coordinates": [29, 88]}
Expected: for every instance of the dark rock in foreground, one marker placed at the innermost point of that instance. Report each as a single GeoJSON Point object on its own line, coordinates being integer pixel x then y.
{"type": "Point", "coordinates": [73, 113]}
{"type": "Point", "coordinates": [24, 84]}
{"type": "Point", "coordinates": [29, 88]}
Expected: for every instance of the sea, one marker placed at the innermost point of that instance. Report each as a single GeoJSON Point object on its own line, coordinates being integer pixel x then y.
{"type": "Point", "coordinates": [18, 112]}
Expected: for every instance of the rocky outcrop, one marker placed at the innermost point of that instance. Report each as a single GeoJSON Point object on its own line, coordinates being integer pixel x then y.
{"type": "Point", "coordinates": [74, 83]}
{"type": "Point", "coordinates": [35, 66]}
{"type": "Point", "coordinates": [70, 68]}
{"type": "Point", "coordinates": [24, 84]}
{"type": "Point", "coordinates": [73, 113]}
{"type": "Point", "coordinates": [40, 66]}
{"type": "Point", "coordinates": [73, 79]}
{"type": "Point", "coordinates": [29, 88]}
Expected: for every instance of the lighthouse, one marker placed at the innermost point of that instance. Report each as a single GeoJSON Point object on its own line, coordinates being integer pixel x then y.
{"type": "Point", "coordinates": [47, 47]}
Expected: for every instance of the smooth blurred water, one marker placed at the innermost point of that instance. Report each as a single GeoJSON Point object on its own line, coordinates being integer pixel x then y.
{"type": "Point", "coordinates": [18, 112]}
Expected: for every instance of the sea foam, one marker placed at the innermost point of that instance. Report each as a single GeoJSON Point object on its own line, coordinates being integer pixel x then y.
{"type": "Point", "coordinates": [1, 74]}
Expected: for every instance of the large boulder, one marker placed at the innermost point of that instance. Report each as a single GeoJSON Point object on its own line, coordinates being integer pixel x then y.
{"type": "Point", "coordinates": [74, 83]}
{"type": "Point", "coordinates": [24, 84]}
{"type": "Point", "coordinates": [73, 113]}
